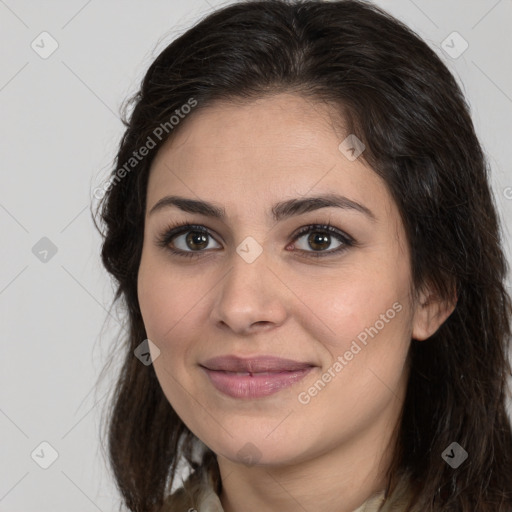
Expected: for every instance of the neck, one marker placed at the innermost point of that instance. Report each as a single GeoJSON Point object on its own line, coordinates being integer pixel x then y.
{"type": "Point", "coordinates": [341, 479]}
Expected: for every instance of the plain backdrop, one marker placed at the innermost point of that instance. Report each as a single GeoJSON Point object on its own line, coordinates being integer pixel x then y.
{"type": "Point", "coordinates": [59, 131]}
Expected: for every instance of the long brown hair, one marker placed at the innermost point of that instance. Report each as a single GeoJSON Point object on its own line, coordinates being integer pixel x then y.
{"type": "Point", "coordinates": [398, 97]}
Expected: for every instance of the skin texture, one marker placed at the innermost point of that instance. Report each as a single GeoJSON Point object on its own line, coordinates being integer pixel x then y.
{"type": "Point", "coordinates": [330, 453]}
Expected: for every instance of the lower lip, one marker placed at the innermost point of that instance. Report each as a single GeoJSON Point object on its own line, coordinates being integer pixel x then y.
{"type": "Point", "coordinates": [255, 386]}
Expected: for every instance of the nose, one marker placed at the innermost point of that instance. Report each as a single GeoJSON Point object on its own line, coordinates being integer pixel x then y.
{"type": "Point", "coordinates": [250, 297]}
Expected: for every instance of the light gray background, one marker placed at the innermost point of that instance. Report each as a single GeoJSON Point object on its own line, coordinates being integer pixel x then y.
{"type": "Point", "coordinates": [59, 132]}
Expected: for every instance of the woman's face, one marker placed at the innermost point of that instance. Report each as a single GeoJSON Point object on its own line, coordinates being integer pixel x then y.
{"type": "Point", "coordinates": [255, 291]}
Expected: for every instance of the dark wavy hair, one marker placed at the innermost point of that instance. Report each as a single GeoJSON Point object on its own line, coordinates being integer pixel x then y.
{"type": "Point", "coordinates": [396, 95]}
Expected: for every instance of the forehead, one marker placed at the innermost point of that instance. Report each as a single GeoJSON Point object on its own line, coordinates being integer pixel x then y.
{"type": "Point", "coordinates": [267, 127]}
{"type": "Point", "coordinates": [263, 151]}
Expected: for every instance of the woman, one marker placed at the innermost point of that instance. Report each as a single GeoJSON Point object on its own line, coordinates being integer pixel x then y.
{"type": "Point", "coordinates": [309, 255]}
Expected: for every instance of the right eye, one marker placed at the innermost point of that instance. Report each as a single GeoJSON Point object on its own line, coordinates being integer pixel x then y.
{"type": "Point", "coordinates": [185, 239]}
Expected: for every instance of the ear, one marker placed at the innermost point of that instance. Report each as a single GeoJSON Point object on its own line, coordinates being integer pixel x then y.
{"type": "Point", "coordinates": [430, 313]}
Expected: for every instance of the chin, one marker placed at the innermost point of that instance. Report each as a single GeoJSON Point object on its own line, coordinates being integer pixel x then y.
{"type": "Point", "coordinates": [256, 450]}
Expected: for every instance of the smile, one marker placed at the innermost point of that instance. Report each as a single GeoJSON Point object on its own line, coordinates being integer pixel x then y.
{"type": "Point", "coordinates": [253, 378]}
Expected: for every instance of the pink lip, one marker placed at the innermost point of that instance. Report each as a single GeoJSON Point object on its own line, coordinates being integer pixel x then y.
{"type": "Point", "coordinates": [255, 377]}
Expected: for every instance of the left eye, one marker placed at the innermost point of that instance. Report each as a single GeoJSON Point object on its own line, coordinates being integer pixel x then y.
{"type": "Point", "coordinates": [319, 240]}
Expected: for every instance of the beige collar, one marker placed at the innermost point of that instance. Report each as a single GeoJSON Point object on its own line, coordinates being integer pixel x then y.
{"type": "Point", "coordinates": [198, 495]}
{"type": "Point", "coordinates": [209, 501]}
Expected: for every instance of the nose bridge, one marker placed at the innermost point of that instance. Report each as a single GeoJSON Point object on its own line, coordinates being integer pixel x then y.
{"type": "Point", "coordinates": [249, 293]}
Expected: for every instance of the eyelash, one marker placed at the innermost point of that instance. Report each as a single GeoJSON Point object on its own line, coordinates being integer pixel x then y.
{"type": "Point", "coordinates": [173, 230]}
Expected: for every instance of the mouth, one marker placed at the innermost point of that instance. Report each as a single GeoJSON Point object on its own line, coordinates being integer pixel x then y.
{"type": "Point", "coordinates": [255, 377]}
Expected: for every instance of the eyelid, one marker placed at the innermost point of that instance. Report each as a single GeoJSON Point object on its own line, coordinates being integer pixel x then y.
{"type": "Point", "coordinates": [180, 228]}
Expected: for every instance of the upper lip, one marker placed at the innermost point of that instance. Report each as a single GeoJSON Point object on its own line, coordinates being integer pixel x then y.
{"type": "Point", "coordinates": [231, 363]}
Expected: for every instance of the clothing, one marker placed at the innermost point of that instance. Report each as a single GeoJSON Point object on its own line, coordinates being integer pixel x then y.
{"type": "Point", "coordinates": [200, 496]}
{"type": "Point", "coordinates": [210, 503]}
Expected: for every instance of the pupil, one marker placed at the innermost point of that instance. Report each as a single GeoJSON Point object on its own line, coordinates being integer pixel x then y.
{"type": "Point", "coordinates": [316, 239]}
{"type": "Point", "coordinates": [196, 238]}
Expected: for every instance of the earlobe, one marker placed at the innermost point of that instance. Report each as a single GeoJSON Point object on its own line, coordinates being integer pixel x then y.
{"type": "Point", "coordinates": [431, 312]}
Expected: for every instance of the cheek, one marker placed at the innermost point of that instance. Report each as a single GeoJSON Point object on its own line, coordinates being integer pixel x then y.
{"type": "Point", "coordinates": [166, 304]}
{"type": "Point", "coordinates": [348, 304]}
{"type": "Point", "coordinates": [372, 320]}
{"type": "Point", "coordinates": [163, 299]}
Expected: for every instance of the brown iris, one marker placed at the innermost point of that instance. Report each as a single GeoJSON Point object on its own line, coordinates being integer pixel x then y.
{"type": "Point", "coordinates": [315, 239]}
{"type": "Point", "coordinates": [197, 238]}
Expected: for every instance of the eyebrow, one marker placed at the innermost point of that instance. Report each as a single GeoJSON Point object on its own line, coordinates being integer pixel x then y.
{"type": "Point", "coordinates": [280, 211]}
